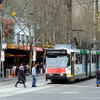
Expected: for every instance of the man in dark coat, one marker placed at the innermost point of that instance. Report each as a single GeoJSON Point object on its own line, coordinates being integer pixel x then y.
{"type": "Point", "coordinates": [21, 78]}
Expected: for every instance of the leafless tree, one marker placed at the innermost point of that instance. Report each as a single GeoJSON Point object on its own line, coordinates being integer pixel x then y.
{"type": "Point", "coordinates": [55, 21]}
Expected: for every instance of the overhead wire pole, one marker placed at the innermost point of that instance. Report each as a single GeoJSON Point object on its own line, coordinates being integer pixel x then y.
{"type": "Point", "coordinates": [2, 53]}
{"type": "Point", "coordinates": [96, 22]}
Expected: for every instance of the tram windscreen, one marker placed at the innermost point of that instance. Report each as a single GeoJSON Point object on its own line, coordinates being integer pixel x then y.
{"type": "Point", "coordinates": [59, 59]}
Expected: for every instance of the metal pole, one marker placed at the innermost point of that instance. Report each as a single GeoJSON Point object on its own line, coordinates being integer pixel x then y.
{"type": "Point", "coordinates": [33, 40]}
{"type": "Point", "coordinates": [69, 32]}
{"type": "Point", "coordinates": [80, 39]}
{"type": "Point", "coordinates": [54, 38]}
{"type": "Point", "coordinates": [96, 22]}
{"type": "Point", "coordinates": [1, 44]}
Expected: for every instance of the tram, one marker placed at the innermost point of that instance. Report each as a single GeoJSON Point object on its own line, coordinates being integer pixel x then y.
{"type": "Point", "coordinates": [71, 63]}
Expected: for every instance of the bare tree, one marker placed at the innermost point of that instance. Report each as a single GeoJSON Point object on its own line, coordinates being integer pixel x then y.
{"type": "Point", "coordinates": [55, 21]}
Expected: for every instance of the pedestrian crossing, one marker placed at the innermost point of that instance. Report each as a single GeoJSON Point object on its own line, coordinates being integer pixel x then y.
{"type": "Point", "coordinates": [10, 89]}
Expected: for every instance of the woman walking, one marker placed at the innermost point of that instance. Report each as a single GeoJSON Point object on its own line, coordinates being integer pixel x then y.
{"type": "Point", "coordinates": [21, 77]}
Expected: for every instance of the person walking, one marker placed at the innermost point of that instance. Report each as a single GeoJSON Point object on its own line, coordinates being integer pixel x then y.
{"type": "Point", "coordinates": [14, 70]}
{"type": "Point", "coordinates": [97, 76]}
{"type": "Point", "coordinates": [41, 67]}
{"type": "Point", "coordinates": [34, 75]}
{"type": "Point", "coordinates": [21, 77]}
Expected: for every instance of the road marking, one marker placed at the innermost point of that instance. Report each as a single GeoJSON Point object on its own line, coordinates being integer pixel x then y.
{"type": "Point", "coordinates": [70, 92]}
{"type": "Point", "coordinates": [10, 90]}
{"type": "Point", "coordinates": [82, 97]}
{"type": "Point", "coordinates": [83, 86]}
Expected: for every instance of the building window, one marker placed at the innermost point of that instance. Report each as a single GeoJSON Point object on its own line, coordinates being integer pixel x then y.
{"type": "Point", "coordinates": [18, 38]}
{"type": "Point", "coordinates": [27, 40]}
{"type": "Point", "coordinates": [23, 40]}
{"type": "Point", "coordinates": [78, 59]}
{"type": "Point", "coordinates": [93, 59]}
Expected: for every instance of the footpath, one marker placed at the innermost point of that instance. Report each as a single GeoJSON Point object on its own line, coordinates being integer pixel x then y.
{"type": "Point", "coordinates": [14, 78]}
{"type": "Point", "coordinates": [8, 89]}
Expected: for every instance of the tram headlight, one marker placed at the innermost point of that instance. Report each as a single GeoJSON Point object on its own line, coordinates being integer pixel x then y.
{"type": "Point", "coordinates": [48, 74]}
{"type": "Point", "coordinates": [62, 74]}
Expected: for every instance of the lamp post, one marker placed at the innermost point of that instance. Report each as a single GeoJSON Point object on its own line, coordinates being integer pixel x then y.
{"type": "Point", "coordinates": [2, 53]}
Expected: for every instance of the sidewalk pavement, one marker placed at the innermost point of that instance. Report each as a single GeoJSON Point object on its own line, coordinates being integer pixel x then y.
{"type": "Point", "coordinates": [14, 78]}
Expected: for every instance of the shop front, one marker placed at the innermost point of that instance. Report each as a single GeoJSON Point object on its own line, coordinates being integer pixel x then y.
{"type": "Point", "coordinates": [17, 54]}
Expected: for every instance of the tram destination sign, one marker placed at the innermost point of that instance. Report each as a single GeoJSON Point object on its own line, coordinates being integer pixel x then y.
{"type": "Point", "coordinates": [56, 52]}
{"type": "Point", "coordinates": [83, 51]}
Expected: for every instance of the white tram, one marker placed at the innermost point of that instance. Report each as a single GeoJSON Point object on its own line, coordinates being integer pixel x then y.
{"type": "Point", "coordinates": [71, 64]}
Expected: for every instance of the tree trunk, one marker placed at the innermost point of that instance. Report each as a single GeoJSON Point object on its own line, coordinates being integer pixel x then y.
{"type": "Point", "coordinates": [30, 61]}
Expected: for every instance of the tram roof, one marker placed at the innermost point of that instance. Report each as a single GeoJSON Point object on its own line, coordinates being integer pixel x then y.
{"type": "Point", "coordinates": [72, 50]}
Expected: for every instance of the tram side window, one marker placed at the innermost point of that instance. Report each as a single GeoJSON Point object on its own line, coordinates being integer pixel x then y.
{"type": "Point", "coordinates": [68, 60]}
{"type": "Point", "coordinates": [93, 59]}
{"type": "Point", "coordinates": [78, 59]}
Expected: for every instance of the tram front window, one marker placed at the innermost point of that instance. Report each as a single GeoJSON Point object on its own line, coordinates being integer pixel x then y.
{"type": "Point", "coordinates": [60, 61]}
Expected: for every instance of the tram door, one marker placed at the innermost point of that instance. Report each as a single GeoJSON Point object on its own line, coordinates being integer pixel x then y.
{"type": "Point", "coordinates": [84, 65]}
{"type": "Point", "coordinates": [72, 66]}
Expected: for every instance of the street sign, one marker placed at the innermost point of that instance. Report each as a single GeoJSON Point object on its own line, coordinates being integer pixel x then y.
{"type": "Point", "coordinates": [4, 46]}
{"type": "Point", "coordinates": [2, 56]}
{"type": "Point", "coordinates": [34, 54]}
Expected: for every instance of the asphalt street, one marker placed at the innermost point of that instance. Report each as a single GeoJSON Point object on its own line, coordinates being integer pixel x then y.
{"type": "Point", "coordinates": [79, 90]}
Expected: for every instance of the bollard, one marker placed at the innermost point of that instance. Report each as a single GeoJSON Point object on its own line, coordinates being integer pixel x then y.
{"type": "Point", "coordinates": [41, 70]}
{"type": "Point", "coordinates": [8, 73]}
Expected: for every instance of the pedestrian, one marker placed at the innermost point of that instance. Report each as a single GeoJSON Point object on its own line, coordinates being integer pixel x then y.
{"type": "Point", "coordinates": [21, 77]}
{"type": "Point", "coordinates": [34, 75]}
{"type": "Point", "coordinates": [97, 77]}
{"type": "Point", "coordinates": [14, 70]}
{"type": "Point", "coordinates": [41, 67]}
{"type": "Point", "coordinates": [27, 69]}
